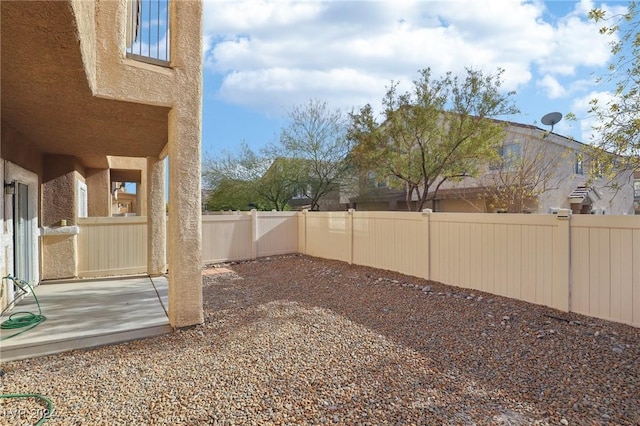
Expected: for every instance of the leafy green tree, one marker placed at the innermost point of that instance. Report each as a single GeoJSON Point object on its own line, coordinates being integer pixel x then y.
{"type": "Point", "coordinates": [231, 179]}
{"type": "Point", "coordinates": [310, 158]}
{"type": "Point", "coordinates": [246, 166]}
{"type": "Point", "coordinates": [281, 182]}
{"type": "Point", "coordinates": [233, 195]}
{"type": "Point", "coordinates": [440, 131]}
{"type": "Point", "coordinates": [316, 147]}
{"type": "Point", "coordinates": [619, 118]}
{"type": "Point", "coordinates": [250, 180]}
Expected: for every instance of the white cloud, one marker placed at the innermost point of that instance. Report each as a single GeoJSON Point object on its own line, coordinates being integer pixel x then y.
{"type": "Point", "coordinates": [230, 17]}
{"type": "Point", "coordinates": [282, 88]}
{"type": "Point", "coordinates": [552, 87]}
{"type": "Point", "coordinates": [271, 52]}
{"type": "Point", "coordinates": [577, 41]}
{"type": "Point", "coordinates": [587, 121]}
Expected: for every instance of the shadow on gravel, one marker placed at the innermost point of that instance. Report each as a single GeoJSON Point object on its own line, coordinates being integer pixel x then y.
{"type": "Point", "coordinates": [567, 365]}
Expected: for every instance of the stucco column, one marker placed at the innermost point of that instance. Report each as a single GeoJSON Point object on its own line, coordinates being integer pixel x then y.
{"type": "Point", "coordinates": [142, 190]}
{"type": "Point", "coordinates": [156, 217]}
{"type": "Point", "coordinates": [185, 122]}
{"type": "Point", "coordinates": [185, 219]}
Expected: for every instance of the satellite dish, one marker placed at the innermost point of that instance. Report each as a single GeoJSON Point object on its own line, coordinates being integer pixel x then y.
{"type": "Point", "coordinates": [551, 119]}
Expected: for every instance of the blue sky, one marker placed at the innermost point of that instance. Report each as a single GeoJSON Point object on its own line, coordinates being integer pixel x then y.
{"type": "Point", "coordinates": [264, 57]}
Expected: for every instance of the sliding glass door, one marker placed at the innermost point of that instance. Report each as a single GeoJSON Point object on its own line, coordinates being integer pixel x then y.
{"type": "Point", "coordinates": [22, 234]}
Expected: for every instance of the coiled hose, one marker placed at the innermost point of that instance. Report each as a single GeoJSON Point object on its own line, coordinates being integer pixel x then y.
{"type": "Point", "coordinates": [46, 413]}
{"type": "Point", "coordinates": [19, 320]}
{"type": "Point", "coordinates": [22, 320]}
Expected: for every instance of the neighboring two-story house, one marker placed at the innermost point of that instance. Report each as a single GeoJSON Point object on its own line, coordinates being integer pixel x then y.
{"type": "Point", "coordinates": [538, 172]}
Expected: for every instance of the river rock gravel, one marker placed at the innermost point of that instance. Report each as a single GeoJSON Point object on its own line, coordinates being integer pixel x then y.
{"type": "Point", "coordinates": [293, 340]}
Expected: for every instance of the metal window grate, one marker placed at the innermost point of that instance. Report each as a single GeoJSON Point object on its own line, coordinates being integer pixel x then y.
{"type": "Point", "coordinates": [148, 38]}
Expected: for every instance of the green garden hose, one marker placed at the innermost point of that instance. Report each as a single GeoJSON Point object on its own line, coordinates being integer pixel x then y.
{"type": "Point", "coordinates": [46, 413]}
{"type": "Point", "coordinates": [22, 320]}
{"type": "Point", "coordinates": [29, 320]}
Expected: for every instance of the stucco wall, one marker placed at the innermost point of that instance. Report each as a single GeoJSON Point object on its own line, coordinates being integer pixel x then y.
{"type": "Point", "coordinates": [156, 217]}
{"type": "Point", "coordinates": [475, 205]}
{"type": "Point", "coordinates": [373, 206]}
{"type": "Point", "coordinates": [98, 193]}
{"type": "Point", "coordinates": [123, 79]}
{"type": "Point", "coordinates": [185, 122]}
{"type": "Point", "coordinates": [58, 165]}
{"type": "Point", "coordinates": [85, 20]}
{"type": "Point", "coordinates": [59, 254]}
{"type": "Point", "coordinates": [58, 199]}
{"type": "Point", "coordinates": [59, 189]}
{"type": "Point", "coordinates": [17, 149]}
{"type": "Point", "coordinates": [180, 88]}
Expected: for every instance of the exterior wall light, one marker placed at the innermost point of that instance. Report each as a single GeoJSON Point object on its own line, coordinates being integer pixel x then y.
{"type": "Point", "coordinates": [10, 188]}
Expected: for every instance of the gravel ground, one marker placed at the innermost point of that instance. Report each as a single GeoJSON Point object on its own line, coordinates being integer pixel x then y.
{"type": "Point", "coordinates": [299, 340]}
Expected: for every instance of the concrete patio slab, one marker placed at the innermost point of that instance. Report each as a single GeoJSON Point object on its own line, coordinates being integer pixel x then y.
{"type": "Point", "coordinates": [89, 313]}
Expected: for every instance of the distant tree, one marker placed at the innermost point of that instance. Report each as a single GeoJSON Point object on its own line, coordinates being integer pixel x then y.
{"type": "Point", "coordinates": [619, 119]}
{"type": "Point", "coordinates": [310, 158]}
{"type": "Point", "coordinates": [233, 195]}
{"type": "Point", "coordinates": [281, 182]}
{"type": "Point", "coordinates": [315, 146]}
{"type": "Point", "coordinates": [440, 131]}
{"type": "Point", "coordinates": [246, 166]}
{"type": "Point", "coordinates": [250, 180]}
{"type": "Point", "coordinates": [232, 180]}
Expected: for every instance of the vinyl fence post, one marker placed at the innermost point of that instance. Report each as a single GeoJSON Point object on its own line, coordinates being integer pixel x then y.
{"type": "Point", "coordinates": [302, 231]}
{"type": "Point", "coordinates": [562, 263]}
{"type": "Point", "coordinates": [254, 233]}
{"type": "Point", "coordinates": [349, 232]}
{"type": "Point", "coordinates": [426, 230]}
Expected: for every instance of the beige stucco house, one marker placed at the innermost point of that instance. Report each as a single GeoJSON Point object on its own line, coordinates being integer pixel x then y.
{"type": "Point", "coordinates": [82, 111]}
{"type": "Point", "coordinates": [558, 167]}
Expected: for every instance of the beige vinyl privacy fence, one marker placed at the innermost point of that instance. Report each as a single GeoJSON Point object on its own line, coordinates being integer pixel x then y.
{"type": "Point", "coordinates": [249, 235]}
{"type": "Point", "coordinates": [525, 257]}
{"type": "Point", "coordinates": [384, 240]}
{"type": "Point", "coordinates": [605, 267]}
{"type": "Point", "coordinates": [584, 264]}
{"type": "Point", "coordinates": [112, 246]}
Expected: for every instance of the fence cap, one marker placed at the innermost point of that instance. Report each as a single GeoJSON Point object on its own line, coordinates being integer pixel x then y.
{"type": "Point", "coordinates": [564, 213]}
{"type": "Point", "coordinates": [59, 230]}
{"type": "Point", "coordinates": [427, 211]}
